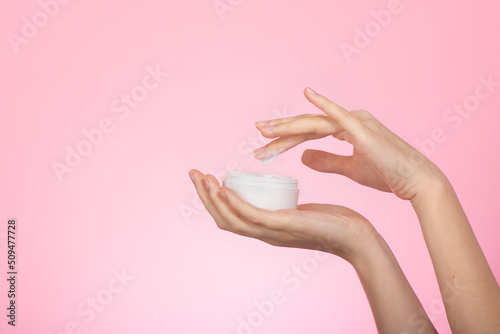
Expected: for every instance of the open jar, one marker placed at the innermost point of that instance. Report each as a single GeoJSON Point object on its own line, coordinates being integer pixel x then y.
{"type": "Point", "coordinates": [265, 191]}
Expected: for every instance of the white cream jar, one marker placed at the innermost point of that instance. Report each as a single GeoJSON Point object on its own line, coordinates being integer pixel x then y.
{"type": "Point", "coordinates": [265, 191]}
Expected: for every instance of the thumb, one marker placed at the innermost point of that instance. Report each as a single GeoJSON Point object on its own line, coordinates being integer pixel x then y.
{"type": "Point", "coordinates": [326, 162]}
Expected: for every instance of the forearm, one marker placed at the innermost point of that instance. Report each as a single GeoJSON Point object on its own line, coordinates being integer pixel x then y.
{"type": "Point", "coordinates": [470, 293]}
{"type": "Point", "coordinates": [394, 305]}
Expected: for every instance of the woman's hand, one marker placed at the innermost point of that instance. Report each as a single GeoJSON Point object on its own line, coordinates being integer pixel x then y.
{"type": "Point", "coordinates": [384, 161]}
{"type": "Point", "coordinates": [380, 159]}
{"type": "Point", "coordinates": [330, 228]}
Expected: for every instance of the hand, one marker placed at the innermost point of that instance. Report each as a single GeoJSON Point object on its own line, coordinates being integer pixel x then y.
{"type": "Point", "coordinates": [380, 158]}
{"type": "Point", "coordinates": [330, 228]}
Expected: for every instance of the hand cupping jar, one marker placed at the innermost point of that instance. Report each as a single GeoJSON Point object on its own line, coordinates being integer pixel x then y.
{"type": "Point", "coordinates": [265, 191]}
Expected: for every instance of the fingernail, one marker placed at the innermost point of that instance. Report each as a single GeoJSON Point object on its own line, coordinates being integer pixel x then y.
{"type": "Point", "coordinates": [268, 127]}
{"type": "Point", "coordinates": [259, 151]}
{"type": "Point", "coordinates": [221, 193]}
{"type": "Point", "coordinates": [310, 90]}
{"type": "Point", "coordinates": [192, 177]}
{"type": "Point", "coordinates": [261, 123]}
{"type": "Point", "coordinates": [206, 184]}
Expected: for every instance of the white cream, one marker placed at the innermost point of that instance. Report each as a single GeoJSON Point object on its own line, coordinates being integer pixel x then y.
{"type": "Point", "coordinates": [265, 191]}
{"type": "Point", "coordinates": [269, 157]}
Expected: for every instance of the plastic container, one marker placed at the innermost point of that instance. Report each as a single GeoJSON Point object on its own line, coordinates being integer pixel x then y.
{"type": "Point", "coordinates": [265, 191]}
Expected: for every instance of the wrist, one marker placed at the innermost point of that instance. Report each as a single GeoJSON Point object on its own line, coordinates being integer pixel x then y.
{"type": "Point", "coordinates": [371, 253]}
{"type": "Point", "coordinates": [434, 187]}
{"type": "Point", "coordinates": [377, 261]}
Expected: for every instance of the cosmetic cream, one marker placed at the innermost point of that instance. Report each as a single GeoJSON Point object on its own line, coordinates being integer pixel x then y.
{"type": "Point", "coordinates": [265, 191]}
{"type": "Point", "coordinates": [269, 157]}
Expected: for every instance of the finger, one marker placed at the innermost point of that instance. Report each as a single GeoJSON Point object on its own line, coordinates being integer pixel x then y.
{"type": "Point", "coordinates": [322, 125]}
{"type": "Point", "coordinates": [312, 207]}
{"type": "Point", "coordinates": [327, 208]}
{"type": "Point", "coordinates": [231, 220]}
{"type": "Point", "coordinates": [273, 220]}
{"type": "Point", "coordinates": [262, 226]}
{"type": "Point", "coordinates": [328, 162]}
{"type": "Point", "coordinates": [275, 121]}
{"type": "Point", "coordinates": [199, 180]}
{"type": "Point", "coordinates": [281, 145]}
{"type": "Point", "coordinates": [235, 222]}
{"type": "Point", "coordinates": [336, 112]}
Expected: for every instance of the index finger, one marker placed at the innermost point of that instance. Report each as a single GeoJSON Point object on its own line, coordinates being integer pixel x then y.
{"type": "Point", "coordinates": [336, 112]}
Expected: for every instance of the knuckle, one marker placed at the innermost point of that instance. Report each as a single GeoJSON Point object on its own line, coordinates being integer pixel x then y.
{"type": "Point", "coordinates": [273, 242]}
{"type": "Point", "coordinates": [222, 226]}
{"type": "Point", "coordinates": [358, 123]}
{"type": "Point", "coordinates": [238, 230]}
{"type": "Point", "coordinates": [362, 114]}
{"type": "Point", "coordinates": [267, 134]}
{"type": "Point", "coordinates": [256, 221]}
{"type": "Point", "coordinates": [279, 128]}
{"type": "Point", "coordinates": [324, 125]}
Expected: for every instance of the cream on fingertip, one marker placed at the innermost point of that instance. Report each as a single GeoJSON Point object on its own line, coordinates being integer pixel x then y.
{"type": "Point", "coordinates": [269, 157]}
{"type": "Point", "coordinates": [259, 151]}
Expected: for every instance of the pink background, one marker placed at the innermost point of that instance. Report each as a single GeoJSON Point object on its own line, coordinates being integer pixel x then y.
{"type": "Point", "coordinates": [129, 205]}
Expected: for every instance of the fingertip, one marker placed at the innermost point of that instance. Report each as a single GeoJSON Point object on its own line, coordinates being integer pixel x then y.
{"type": "Point", "coordinates": [268, 134]}
{"type": "Point", "coordinates": [259, 151]}
{"type": "Point", "coordinates": [228, 192]}
{"type": "Point", "coordinates": [260, 124]}
{"type": "Point", "coordinates": [214, 183]}
{"type": "Point", "coordinates": [191, 176]}
{"type": "Point", "coordinates": [330, 108]}
{"type": "Point", "coordinates": [195, 176]}
{"type": "Point", "coordinates": [307, 151]}
{"type": "Point", "coordinates": [310, 91]}
{"type": "Point", "coordinates": [306, 156]}
{"type": "Point", "coordinates": [222, 194]}
{"type": "Point", "coordinates": [206, 184]}
{"type": "Point", "coordinates": [211, 177]}
{"type": "Point", "coordinates": [194, 171]}
{"type": "Point", "coordinates": [314, 98]}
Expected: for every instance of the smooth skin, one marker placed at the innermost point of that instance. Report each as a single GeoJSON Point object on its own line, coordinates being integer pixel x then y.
{"type": "Point", "coordinates": [333, 229]}
{"type": "Point", "coordinates": [383, 161]}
